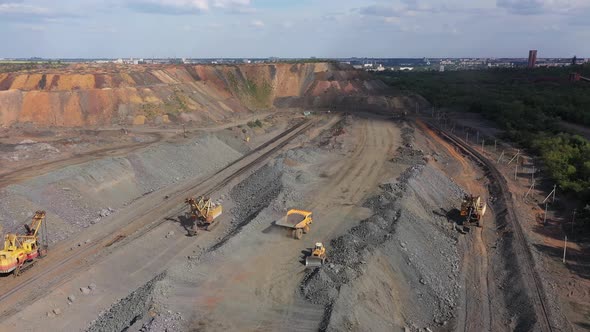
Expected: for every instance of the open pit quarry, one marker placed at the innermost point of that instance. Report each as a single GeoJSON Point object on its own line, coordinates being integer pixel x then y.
{"type": "Point", "coordinates": [112, 152]}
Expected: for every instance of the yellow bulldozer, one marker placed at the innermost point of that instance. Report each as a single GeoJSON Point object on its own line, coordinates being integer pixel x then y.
{"type": "Point", "coordinates": [317, 257]}
{"type": "Point", "coordinates": [204, 212]}
{"type": "Point", "coordinates": [21, 251]}
{"type": "Point", "coordinates": [473, 209]}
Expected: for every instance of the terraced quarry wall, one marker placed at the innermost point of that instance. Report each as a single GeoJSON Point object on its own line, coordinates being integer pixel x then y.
{"type": "Point", "coordinates": [88, 95]}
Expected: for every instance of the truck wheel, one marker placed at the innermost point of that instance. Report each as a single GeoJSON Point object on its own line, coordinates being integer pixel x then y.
{"type": "Point", "coordinates": [298, 233]}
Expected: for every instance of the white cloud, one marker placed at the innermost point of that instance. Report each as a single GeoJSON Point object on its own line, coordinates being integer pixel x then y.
{"type": "Point", "coordinates": [22, 9]}
{"type": "Point", "coordinates": [31, 27]}
{"type": "Point", "coordinates": [179, 7]}
{"type": "Point", "coordinates": [530, 7]}
{"type": "Point", "coordinates": [230, 3]}
{"type": "Point", "coordinates": [188, 5]}
{"type": "Point", "coordinates": [257, 24]}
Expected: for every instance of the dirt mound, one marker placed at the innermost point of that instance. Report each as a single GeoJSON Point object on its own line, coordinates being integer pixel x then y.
{"type": "Point", "coordinates": [98, 95]}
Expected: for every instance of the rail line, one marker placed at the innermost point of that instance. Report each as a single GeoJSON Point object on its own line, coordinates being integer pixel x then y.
{"type": "Point", "coordinates": [529, 272]}
{"type": "Point", "coordinates": [138, 228]}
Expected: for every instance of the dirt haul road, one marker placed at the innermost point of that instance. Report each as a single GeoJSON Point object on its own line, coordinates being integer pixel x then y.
{"type": "Point", "coordinates": [252, 282]}
{"type": "Point", "coordinates": [120, 256]}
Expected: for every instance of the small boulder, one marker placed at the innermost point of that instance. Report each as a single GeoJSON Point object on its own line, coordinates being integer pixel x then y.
{"type": "Point", "coordinates": [92, 286]}
{"type": "Point", "coordinates": [85, 290]}
{"type": "Point", "coordinates": [72, 298]}
{"type": "Point", "coordinates": [57, 311]}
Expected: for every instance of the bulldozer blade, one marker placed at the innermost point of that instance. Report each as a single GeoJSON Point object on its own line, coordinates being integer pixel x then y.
{"type": "Point", "coordinates": [313, 262]}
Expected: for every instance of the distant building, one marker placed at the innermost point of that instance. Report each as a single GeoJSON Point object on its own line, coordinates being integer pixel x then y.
{"type": "Point", "coordinates": [441, 68]}
{"type": "Point", "coordinates": [532, 58]}
{"type": "Point", "coordinates": [406, 68]}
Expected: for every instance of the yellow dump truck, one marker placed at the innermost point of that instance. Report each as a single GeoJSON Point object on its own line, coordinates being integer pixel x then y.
{"type": "Point", "coordinates": [298, 221]}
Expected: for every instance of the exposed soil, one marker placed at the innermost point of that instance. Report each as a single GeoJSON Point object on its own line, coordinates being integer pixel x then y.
{"type": "Point", "coordinates": [384, 191]}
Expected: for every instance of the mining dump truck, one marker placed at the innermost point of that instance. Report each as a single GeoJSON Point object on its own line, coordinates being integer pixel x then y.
{"type": "Point", "coordinates": [204, 212]}
{"type": "Point", "coordinates": [21, 251]}
{"type": "Point", "coordinates": [472, 210]}
{"type": "Point", "coordinates": [298, 221]}
{"type": "Point", "coordinates": [317, 257]}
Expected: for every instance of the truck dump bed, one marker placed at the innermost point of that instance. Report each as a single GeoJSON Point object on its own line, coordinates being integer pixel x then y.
{"type": "Point", "coordinates": [294, 218]}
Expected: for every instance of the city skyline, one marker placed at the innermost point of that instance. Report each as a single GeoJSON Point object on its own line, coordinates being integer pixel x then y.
{"type": "Point", "coordinates": [293, 29]}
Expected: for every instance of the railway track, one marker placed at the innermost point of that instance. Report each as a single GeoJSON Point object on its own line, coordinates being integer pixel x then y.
{"type": "Point", "coordinates": [505, 202]}
{"type": "Point", "coordinates": [144, 223]}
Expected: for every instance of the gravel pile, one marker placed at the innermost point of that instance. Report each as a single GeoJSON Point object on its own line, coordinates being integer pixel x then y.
{"type": "Point", "coordinates": [126, 312]}
{"type": "Point", "coordinates": [166, 322]}
{"type": "Point", "coordinates": [406, 230]}
{"type": "Point", "coordinates": [406, 153]}
{"type": "Point", "coordinates": [256, 192]}
{"type": "Point", "coordinates": [349, 252]}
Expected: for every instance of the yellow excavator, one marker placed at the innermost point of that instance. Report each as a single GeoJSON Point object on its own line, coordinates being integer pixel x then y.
{"type": "Point", "coordinates": [317, 257]}
{"type": "Point", "coordinates": [21, 251]}
{"type": "Point", "coordinates": [204, 212]}
{"type": "Point", "coordinates": [473, 210]}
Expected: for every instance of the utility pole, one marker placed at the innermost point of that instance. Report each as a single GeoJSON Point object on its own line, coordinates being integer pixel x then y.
{"type": "Point", "coordinates": [533, 174]}
{"type": "Point", "coordinates": [482, 143]}
{"type": "Point", "coordinates": [500, 158]}
{"type": "Point", "coordinates": [515, 156]}
{"type": "Point", "coordinates": [530, 188]}
{"type": "Point", "coordinates": [477, 139]}
{"type": "Point", "coordinates": [515, 171]}
{"type": "Point", "coordinates": [564, 248]}
{"type": "Point", "coordinates": [467, 137]}
{"type": "Point", "coordinates": [551, 193]}
{"type": "Point", "coordinates": [545, 216]}
{"type": "Point", "coordinates": [495, 143]}
{"type": "Point", "coordinates": [554, 190]}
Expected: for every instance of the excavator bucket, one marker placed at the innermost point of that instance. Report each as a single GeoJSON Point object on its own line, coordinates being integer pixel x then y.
{"type": "Point", "coordinates": [314, 261]}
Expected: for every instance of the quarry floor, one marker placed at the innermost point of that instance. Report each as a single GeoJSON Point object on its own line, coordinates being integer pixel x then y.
{"type": "Point", "coordinates": [384, 192]}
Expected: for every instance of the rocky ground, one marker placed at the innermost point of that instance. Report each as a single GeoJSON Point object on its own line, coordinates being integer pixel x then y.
{"type": "Point", "coordinates": [404, 235]}
{"type": "Point", "coordinates": [78, 196]}
{"type": "Point", "coordinates": [399, 268]}
{"type": "Point", "coordinates": [383, 200]}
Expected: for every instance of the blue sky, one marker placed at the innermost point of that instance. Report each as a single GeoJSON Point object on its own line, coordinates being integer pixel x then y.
{"type": "Point", "coordinates": [294, 28]}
